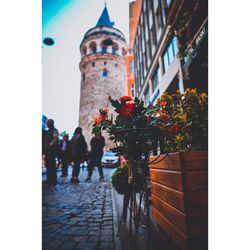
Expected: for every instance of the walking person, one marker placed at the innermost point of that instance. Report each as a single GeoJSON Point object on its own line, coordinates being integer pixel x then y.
{"type": "Point", "coordinates": [65, 150]}
{"type": "Point", "coordinates": [78, 153]}
{"type": "Point", "coordinates": [50, 143]}
{"type": "Point", "coordinates": [97, 144]}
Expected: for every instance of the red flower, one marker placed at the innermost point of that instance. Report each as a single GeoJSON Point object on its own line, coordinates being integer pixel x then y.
{"type": "Point", "coordinates": [163, 104]}
{"type": "Point", "coordinates": [175, 128]}
{"type": "Point", "coordinates": [164, 116]}
{"type": "Point", "coordinates": [102, 117]}
{"type": "Point", "coordinates": [127, 109]}
{"type": "Point", "coordinates": [125, 98]}
{"type": "Point", "coordinates": [97, 120]}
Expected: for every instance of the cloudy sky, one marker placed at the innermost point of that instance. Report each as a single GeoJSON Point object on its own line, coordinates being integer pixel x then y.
{"type": "Point", "coordinates": [66, 21]}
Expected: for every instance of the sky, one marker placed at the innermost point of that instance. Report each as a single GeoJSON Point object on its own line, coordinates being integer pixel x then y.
{"type": "Point", "coordinates": [66, 21]}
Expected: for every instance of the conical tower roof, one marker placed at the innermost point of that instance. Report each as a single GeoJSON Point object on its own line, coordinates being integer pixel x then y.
{"type": "Point", "coordinates": [104, 19]}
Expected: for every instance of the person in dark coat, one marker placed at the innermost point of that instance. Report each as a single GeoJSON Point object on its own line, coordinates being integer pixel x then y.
{"type": "Point", "coordinates": [78, 153]}
{"type": "Point", "coordinates": [97, 144]}
{"type": "Point", "coordinates": [65, 151]}
{"type": "Point", "coordinates": [49, 147]}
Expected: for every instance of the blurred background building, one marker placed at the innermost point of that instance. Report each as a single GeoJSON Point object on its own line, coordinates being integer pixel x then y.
{"type": "Point", "coordinates": [170, 47]}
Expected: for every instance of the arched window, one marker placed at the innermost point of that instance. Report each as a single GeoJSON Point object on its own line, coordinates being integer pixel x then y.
{"type": "Point", "coordinates": [104, 49]}
{"type": "Point", "coordinates": [105, 73]}
{"type": "Point", "coordinates": [93, 47]}
{"type": "Point", "coordinates": [84, 50]}
{"type": "Point", "coordinates": [115, 47]}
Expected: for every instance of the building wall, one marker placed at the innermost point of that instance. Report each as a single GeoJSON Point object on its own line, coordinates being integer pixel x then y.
{"type": "Point", "coordinates": [95, 88]}
{"type": "Point", "coordinates": [153, 37]}
{"type": "Point", "coordinates": [134, 12]}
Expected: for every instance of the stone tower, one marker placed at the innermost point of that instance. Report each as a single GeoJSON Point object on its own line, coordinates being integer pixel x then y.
{"type": "Point", "coordinates": [103, 70]}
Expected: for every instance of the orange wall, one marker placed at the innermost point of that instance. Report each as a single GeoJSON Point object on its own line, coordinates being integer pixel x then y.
{"type": "Point", "coordinates": [134, 13]}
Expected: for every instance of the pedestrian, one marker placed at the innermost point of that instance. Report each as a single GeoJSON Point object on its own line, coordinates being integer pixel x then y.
{"type": "Point", "coordinates": [97, 144]}
{"type": "Point", "coordinates": [78, 153]}
{"type": "Point", "coordinates": [65, 151]}
{"type": "Point", "coordinates": [50, 144]}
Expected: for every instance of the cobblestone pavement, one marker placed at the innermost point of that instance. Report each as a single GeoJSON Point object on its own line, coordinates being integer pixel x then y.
{"type": "Point", "coordinates": [78, 216]}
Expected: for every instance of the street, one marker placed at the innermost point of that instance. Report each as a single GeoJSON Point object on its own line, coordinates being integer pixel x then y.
{"type": "Point", "coordinates": [78, 216]}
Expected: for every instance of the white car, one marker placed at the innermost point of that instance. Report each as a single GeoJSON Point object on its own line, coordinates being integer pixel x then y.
{"type": "Point", "coordinates": [110, 159]}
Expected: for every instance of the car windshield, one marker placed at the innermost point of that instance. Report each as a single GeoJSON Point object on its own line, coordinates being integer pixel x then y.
{"type": "Point", "coordinates": [109, 154]}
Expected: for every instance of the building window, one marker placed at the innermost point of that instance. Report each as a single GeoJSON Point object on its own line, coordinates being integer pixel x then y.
{"type": "Point", "coordinates": [170, 52]}
{"type": "Point", "coordinates": [152, 36]}
{"type": "Point", "coordinates": [93, 64]}
{"type": "Point", "coordinates": [168, 2]}
{"type": "Point", "coordinates": [84, 50]}
{"type": "Point", "coordinates": [175, 45]}
{"type": "Point", "coordinates": [104, 49]}
{"type": "Point", "coordinates": [147, 96]}
{"type": "Point", "coordinates": [105, 63]}
{"type": "Point", "coordinates": [131, 66]}
{"type": "Point", "coordinates": [83, 77]}
{"type": "Point", "coordinates": [93, 47]}
{"type": "Point", "coordinates": [132, 90]}
{"type": "Point", "coordinates": [105, 73]}
{"type": "Point", "coordinates": [156, 78]}
{"type": "Point", "coordinates": [158, 19]}
{"type": "Point", "coordinates": [113, 50]}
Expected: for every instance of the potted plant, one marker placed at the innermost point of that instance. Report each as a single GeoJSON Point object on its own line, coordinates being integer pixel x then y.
{"type": "Point", "coordinates": [179, 179]}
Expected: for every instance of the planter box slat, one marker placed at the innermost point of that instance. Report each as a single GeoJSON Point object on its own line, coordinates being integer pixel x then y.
{"type": "Point", "coordinates": [183, 187]}
{"type": "Point", "coordinates": [172, 178]}
{"type": "Point", "coordinates": [179, 238]}
{"type": "Point", "coordinates": [195, 160]}
{"type": "Point", "coordinates": [197, 180]}
{"type": "Point", "coordinates": [198, 202]}
{"type": "Point", "coordinates": [173, 215]}
{"type": "Point", "coordinates": [171, 162]}
{"type": "Point", "coordinates": [172, 196]}
{"type": "Point", "coordinates": [199, 223]}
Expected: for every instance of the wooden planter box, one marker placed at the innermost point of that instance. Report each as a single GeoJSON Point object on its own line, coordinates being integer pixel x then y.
{"type": "Point", "coordinates": [179, 193]}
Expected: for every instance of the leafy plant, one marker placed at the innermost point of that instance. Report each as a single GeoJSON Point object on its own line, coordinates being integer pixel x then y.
{"type": "Point", "coordinates": [186, 120]}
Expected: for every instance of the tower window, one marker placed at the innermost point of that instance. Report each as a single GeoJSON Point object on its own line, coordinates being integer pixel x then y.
{"type": "Point", "coordinates": [115, 47]}
{"type": "Point", "coordinates": [104, 49]}
{"type": "Point", "coordinates": [84, 50]}
{"type": "Point", "coordinates": [83, 77]}
{"type": "Point", "coordinates": [93, 47]}
{"type": "Point", "coordinates": [105, 73]}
